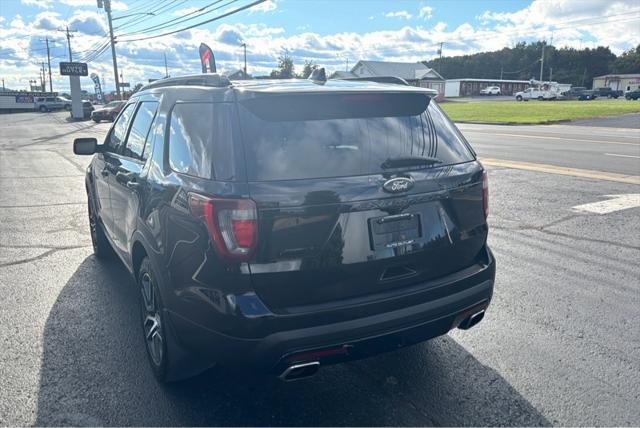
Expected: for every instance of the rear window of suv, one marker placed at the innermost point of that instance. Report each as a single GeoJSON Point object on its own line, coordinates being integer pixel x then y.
{"type": "Point", "coordinates": [329, 135]}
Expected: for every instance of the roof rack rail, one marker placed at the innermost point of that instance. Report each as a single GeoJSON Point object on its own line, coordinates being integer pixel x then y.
{"type": "Point", "coordinates": [214, 80]}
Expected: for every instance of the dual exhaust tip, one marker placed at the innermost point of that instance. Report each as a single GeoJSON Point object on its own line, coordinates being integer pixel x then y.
{"type": "Point", "coordinates": [305, 370]}
{"type": "Point", "coordinates": [300, 371]}
{"type": "Point", "coordinates": [471, 320]}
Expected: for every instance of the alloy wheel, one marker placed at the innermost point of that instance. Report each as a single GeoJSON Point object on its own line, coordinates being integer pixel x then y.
{"type": "Point", "coordinates": [93, 227]}
{"type": "Point", "coordinates": [151, 320]}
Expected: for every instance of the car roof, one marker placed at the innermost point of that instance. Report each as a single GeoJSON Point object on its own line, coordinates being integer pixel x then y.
{"type": "Point", "coordinates": [251, 88]}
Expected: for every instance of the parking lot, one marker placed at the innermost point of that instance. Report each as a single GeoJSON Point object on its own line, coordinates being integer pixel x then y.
{"type": "Point", "coordinates": [559, 345]}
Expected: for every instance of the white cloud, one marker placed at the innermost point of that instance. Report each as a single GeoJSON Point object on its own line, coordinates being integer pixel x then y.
{"type": "Point", "coordinates": [48, 21]}
{"type": "Point", "coordinates": [425, 12]}
{"type": "Point", "coordinates": [115, 4]}
{"type": "Point", "coordinates": [398, 14]}
{"type": "Point", "coordinates": [142, 60]}
{"type": "Point", "coordinates": [43, 4]}
{"type": "Point", "coordinates": [267, 6]}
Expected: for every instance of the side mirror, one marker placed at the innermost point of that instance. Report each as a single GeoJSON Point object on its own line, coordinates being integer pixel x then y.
{"type": "Point", "coordinates": [85, 146]}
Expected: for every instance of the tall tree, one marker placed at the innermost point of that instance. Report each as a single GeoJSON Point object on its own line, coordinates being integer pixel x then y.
{"type": "Point", "coordinates": [285, 68]}
{"type": "Point", "coordinates": [628, 62]}
{"type": "Point", "coordinates": [309, 66]}
{"type": "Point", "coordinates": [522, 62]}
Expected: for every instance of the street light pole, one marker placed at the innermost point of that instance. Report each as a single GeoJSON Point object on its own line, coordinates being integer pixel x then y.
{"type": "Point", "coordinates": [244, 45]}
{"type": "Point", "coordinates": [49, 65]}
{"type": "Point", "coordinates": [166, 69]}
{"type": "Point", "coordinates": [107, 8]}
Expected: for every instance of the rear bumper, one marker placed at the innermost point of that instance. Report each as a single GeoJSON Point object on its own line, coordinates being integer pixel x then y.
{"type": "Point", "coordinates": [294, 338]}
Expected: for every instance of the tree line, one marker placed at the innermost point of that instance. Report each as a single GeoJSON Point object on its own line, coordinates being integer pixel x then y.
{"type": "Point", "coordinates": [522, 62]}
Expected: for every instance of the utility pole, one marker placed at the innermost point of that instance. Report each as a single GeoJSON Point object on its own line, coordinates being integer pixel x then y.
{"type": "Point", "coordinates": [166, 70]}
{"type": "Point", "coordinates": [49, 64]}
{"type": "Point", "coordinates": [541, 62]}
{"type": "Point", "coordinates": [440, 60]}
{"type": "Point", "coordinates": [550, 74]}
{"type": "Point", "coordinates": [107, 8]}
{"type": "Point", "coordinates": [347, 66]}
{"type": "Point", "coordinates": [3, 85]}
{"type": "Point", "coordinates": [68, 34]}
{"type": "Point", "coordinates": [43, 79]}
{"type": "Point", "coordinates": [244, 45]}
{"type": "Point", "coordinates": [501, 71]}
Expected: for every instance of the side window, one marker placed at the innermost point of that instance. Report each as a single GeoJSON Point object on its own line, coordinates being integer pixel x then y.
{"type": "Point", "coordinates": [201, 140]}
{"type": "Point", "coordinates": [135, 146]}
{"type": "Point", "coordinates": [120, 128]}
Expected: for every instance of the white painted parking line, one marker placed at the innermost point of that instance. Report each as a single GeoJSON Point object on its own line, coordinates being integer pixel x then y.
{"type": "Point", "coordinates": [616, 203]}
{"type": "Point", "coordinates": [622, 156]}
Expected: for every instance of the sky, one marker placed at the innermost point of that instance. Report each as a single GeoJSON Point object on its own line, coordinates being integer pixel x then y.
{"type": "Point", "coordinates": [332, 33]}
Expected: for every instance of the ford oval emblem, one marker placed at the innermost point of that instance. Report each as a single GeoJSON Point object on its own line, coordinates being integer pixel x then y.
{"type": "Point", "coordinates": [398, 184]}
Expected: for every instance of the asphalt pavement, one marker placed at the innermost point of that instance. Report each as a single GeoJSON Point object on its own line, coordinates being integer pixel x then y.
{"type": "Point", "coordinates": [615, 150]}
{"type": "Point", "coordinates": [559, 345]}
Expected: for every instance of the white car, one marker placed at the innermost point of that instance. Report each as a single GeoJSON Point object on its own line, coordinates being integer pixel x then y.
{"type": "Point", "coordinates": [535, 94]}
{"type": "Point", "coordinates": [490, 90]}
{"type": "Point", "coordinates": [45, 104]}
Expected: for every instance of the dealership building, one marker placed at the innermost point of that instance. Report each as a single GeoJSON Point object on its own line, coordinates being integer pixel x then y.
{"type": "Point", "coordinates": [617, 82]}
{"type": "Point", "coordinates": [469, 87]}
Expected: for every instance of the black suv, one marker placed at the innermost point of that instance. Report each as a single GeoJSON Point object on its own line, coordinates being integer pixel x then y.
{"type": "Point", "coordinates": [283, 225]}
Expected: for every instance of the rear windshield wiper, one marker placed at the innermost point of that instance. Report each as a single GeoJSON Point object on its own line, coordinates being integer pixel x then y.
{"type": "Point", "coordinates": [399, 162]}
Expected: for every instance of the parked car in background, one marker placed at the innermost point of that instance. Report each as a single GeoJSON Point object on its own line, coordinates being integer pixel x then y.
{"type": "Point", "coordinates": [580, 93]}
{"type": "Point", "coordinates": [607, 93]}
{"type": "Point", "coordinates": [490, 90]}
{"type": "Point", "coordinates": [535, 94]}
{"type": "Point", "coordinates": [45, 104]}
{"type": "Point", "coordinates": [266, 229]}
{"type": "Point", "coordinates": [632, 95]}
{"type": "Point", "coordinates": [108, 111]}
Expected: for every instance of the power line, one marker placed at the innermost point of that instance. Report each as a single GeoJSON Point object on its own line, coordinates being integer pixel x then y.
{"type": "Point", "coordinates": [183, 18]}
{"type": "Point", "coordinates": [160, 9]}
{"type": "Point", "coordinates": [224, 15]}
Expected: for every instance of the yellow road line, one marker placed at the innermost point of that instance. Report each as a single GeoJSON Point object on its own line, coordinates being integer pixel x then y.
{"type": "Point", "coordinates": [548, 137]}
{"type": "Point", "coordinates": [562, 170]}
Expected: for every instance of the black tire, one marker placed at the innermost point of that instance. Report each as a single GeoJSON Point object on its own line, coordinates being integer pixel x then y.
{"type": "Point", "coordinates": [96, 120]}
{"type": "Point", "coordinates": [43, 109]}
{"type": "Point", "coordinates": [540, 98]}
{"type": "Point", "coordinates": [154, 331]}
{"type": "Point", "coordinates": [518, 98]}
{"type": "Point", "coordinates": [101, 246]}
{"type": "Point", "coordinates": [67, 107]}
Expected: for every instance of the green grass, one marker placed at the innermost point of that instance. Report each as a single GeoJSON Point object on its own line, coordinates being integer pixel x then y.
{"type": "Point", "coordinates": [536, 111]}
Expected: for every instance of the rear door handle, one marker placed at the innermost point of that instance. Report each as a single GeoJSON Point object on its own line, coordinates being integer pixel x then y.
{"type": "Point", "coordinates": [132, 184]}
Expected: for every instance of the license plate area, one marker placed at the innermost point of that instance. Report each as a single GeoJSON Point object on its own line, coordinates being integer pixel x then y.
{"type": "Point", "coordinates": [394, 230]}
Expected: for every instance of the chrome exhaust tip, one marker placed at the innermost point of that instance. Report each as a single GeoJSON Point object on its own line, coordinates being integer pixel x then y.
{"type": "Point", "coordinates": [471, 320]}
{"type": "Point", "coordinates": [300, 371]}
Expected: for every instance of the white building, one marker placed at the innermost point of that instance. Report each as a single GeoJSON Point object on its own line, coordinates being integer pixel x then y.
{"type": "Point", "coordinates": [617, 82]}
{"type": "Point", "coordinates": [469, 87]}
{"type": "Point", "coordinates": [415, 73]}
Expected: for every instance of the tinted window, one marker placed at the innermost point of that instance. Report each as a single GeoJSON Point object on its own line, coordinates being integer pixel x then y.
{"type": "Point", "coordinates": [140, 129]}
{"type": "Point", "coordinates": [200, 140]}
{"type": "Point", "coordinates": [356, 144]}
{"type": "Point", "coordinates": [120, 128]}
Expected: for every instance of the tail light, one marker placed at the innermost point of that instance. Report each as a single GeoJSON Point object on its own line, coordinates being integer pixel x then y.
{"type": "Point", "coordinates": [232, 224]}
{"type": "Point", "coordinates": [485, 193]}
